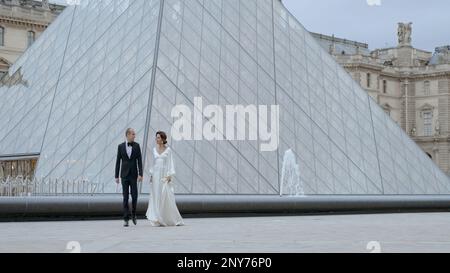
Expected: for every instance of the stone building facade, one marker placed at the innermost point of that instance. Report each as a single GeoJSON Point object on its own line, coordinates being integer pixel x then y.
{"type": "Point", "coordinates": [412, 86]}
{"type": "Point", "coordinates": [21, 23]}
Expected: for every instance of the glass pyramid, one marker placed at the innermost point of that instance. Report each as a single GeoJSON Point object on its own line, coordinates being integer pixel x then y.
{"type": "Point", "coordinates": [105, 65]}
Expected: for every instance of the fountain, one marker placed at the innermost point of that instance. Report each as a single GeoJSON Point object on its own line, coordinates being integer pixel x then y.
{"type": "Point", "coordinates": [291, 183]}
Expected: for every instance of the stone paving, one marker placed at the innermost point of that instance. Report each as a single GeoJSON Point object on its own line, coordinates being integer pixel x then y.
{"type": "Point", "coordinates": [419, 232]}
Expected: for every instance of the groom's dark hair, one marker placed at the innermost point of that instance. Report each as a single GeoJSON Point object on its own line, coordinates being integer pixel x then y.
{"type": "Point", "coordinates": [128, 131]}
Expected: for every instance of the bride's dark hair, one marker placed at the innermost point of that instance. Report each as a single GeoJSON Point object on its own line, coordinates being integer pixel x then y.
{"type": "Point", "coordinates": [163, 136]}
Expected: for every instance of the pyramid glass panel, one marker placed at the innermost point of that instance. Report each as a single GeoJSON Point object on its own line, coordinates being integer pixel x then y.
{"type": "Point", "coordinates": [107, 65]}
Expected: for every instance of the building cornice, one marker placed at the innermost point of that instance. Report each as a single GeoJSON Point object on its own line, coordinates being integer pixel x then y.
{"type": "Point", "coordinates": [394, 72]}
{"type": "Point", "coordinates": [339, 40]}
{"type": "Point", "coordinates": [358, 65]}
{"type": "Point", "coordinates": [29, 13]}
{"type": "Point", "coordinates": [388, 96]}
{"type": "Point", "coordinates": [444, 74]}
{"type": "Point", "coordinates": [431, 139]}
{"type": "Point", "coordinates": [430, 96]}
{"type": "Point", "coordinates": [23, 22]}
{"type": "Point", "coordinates": [11, 50]}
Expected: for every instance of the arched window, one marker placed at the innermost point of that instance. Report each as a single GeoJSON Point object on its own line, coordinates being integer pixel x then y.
{"type": "Point", "coordinates": [31, 37]}
{"type": "Point", "coordinates": [2, 36]}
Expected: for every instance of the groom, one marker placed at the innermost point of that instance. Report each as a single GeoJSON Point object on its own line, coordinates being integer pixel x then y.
{"type": "Point", "coordinates": [129, 153]}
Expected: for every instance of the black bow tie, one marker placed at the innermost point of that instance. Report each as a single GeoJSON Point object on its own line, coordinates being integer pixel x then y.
{"type": "Point", "coordinates": [130, 144]}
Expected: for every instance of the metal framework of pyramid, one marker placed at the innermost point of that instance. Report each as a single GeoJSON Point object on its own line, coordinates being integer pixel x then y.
{"type": "Point", "coordinates": [106, 65]}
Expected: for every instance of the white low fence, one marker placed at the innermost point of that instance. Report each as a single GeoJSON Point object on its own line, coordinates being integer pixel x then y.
{"type": "Point", "coordinates": [25, 186]}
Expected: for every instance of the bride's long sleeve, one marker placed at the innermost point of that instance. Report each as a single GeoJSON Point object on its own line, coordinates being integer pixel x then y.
{"type": "Point", "coordinates": [171, 166]}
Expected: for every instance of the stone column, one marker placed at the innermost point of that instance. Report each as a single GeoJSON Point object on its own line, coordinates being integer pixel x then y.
{"type": "Point", "coordinates": [404, 112]}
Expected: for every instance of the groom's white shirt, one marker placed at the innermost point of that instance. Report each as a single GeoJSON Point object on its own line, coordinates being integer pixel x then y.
{"type": "Point", "coordinates": [129, 149]}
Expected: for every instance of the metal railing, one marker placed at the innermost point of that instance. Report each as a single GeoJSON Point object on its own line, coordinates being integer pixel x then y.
{"type": "Point", "coordinates": [26, 186]}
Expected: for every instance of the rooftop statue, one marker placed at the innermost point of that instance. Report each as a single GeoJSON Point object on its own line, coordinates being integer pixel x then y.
{"type": "Point", "coordinates": [404, 33]}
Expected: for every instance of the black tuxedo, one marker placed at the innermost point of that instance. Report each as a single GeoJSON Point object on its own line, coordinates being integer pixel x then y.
{"type": "Point", "coordinates": [131, 169]}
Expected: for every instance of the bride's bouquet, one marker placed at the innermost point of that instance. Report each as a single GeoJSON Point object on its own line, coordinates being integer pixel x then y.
{"type": "Point", "coordinates": [165, 179]}
{"type": "Point", "coordinates": [167, 187]}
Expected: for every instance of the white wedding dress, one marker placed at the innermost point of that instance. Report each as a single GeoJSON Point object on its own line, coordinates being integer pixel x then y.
{"type": "Point", "coordinates": [162, 209]}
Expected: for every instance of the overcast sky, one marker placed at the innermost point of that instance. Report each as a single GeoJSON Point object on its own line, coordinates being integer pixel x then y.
{"type": "Point", "coordinates": [376, 24]}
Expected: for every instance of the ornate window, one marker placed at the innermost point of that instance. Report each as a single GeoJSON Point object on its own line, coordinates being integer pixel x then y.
{"type": "Point", "coordinates": [427, 116]}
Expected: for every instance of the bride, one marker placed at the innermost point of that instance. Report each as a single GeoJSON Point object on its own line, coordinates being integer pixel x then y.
{"type": "Point", "coordinates": [162, 209]}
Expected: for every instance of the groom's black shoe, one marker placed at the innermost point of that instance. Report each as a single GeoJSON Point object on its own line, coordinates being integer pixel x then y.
{"type": "Point", "coordinates": [126, 223]}
{"type": "Point", "coordinates": [134, 220]}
